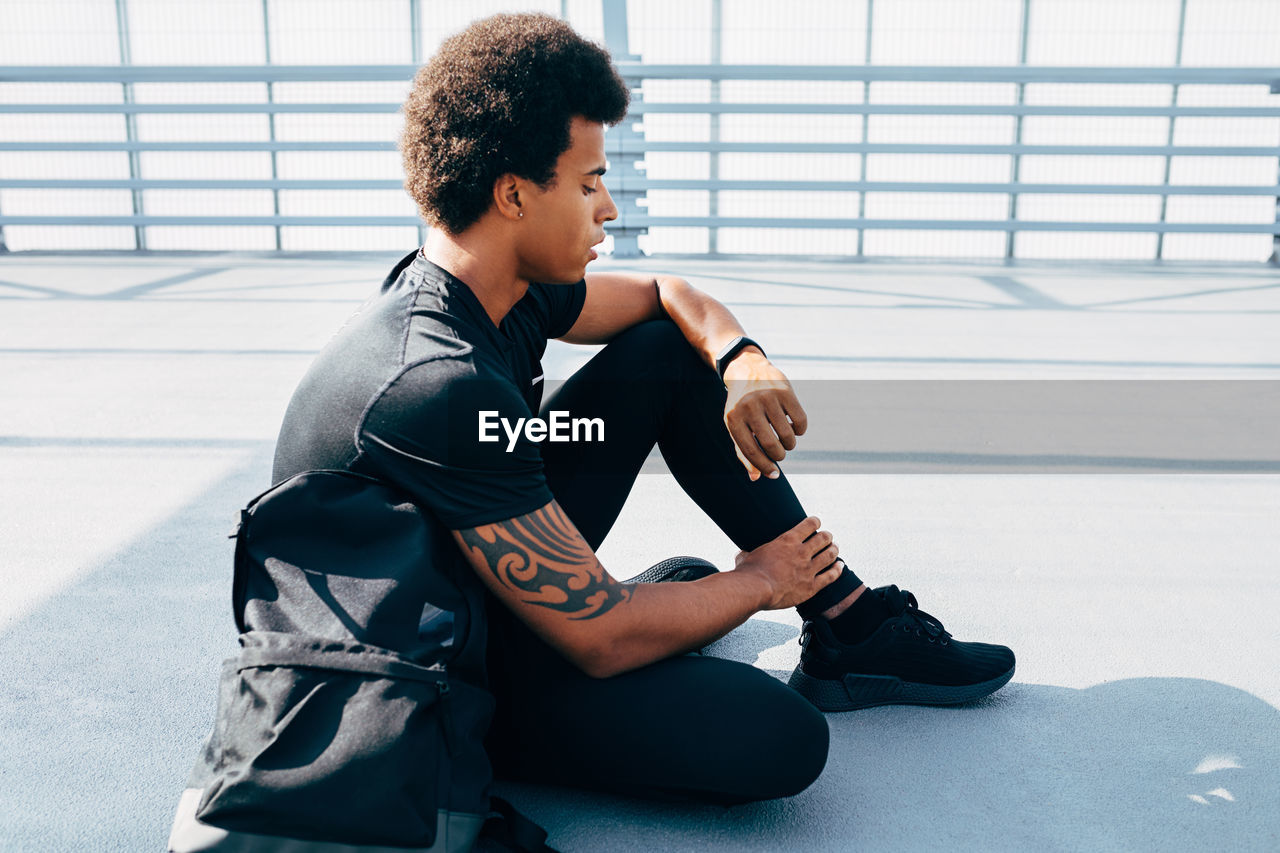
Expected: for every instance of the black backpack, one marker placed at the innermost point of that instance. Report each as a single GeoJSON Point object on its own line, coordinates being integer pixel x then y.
{"type": "Point", "coordinates": [354, 716]}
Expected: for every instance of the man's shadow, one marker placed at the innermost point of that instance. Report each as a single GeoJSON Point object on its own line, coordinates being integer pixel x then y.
{"type": "Point", "coordinates": [1144, 763]}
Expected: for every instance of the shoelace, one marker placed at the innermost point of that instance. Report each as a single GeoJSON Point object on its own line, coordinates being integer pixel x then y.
{"type": "Point", "coordinates": [899, 601]}
{"type": "Point", "coordinates": [926, 625]}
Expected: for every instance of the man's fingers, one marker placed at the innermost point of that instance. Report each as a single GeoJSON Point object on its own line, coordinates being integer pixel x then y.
{"type": "Point", "coordinates": [827, 556]}
{"type": "Point", "coordinates": [791, 404]}
{"type": "Point", "coordinates": [818, 542]}
{"type": "Point", "coordinates": [753, 473]}
{"type": "Point", "coordinates": [806, 528]}
{"type": "Point", "coordinates": [749, 452]}
{"type": "Point", "coordinates": [748, 444]}
{"type": "Point", "coordinates": [781, 426]}
{"type": "Point", "coordinates": [767, 439]}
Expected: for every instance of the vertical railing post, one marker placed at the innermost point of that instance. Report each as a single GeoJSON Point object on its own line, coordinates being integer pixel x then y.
{"type": "Point", "coordinates": [866, 127]}
{"type": "Point", "coordinates": [1275, 238]}
{"type": "Point", "coordinates": [130, 121]}
{"type": "Point", "coordinates": [1173, 102]}
{"type": "Point", "coordinates": [624, 143]}
{"type": "Point", "coordinates": [271, 121]}
{"type": "Point", "coordinates": [415, 54]}
{"type": "Point", "coordinates": [1011, 234]}
{"type": "Point", "coordinates": [713, 164]}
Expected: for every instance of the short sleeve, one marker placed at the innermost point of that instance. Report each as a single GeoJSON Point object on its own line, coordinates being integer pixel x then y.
{"type": "Point", "coordinates": [557, 305]}
{"type": "Point", "coordinates": [453, 440]}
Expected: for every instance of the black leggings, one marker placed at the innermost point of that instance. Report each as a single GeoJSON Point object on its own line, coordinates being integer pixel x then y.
{"type": "Point", "coordinates": [688, 727]}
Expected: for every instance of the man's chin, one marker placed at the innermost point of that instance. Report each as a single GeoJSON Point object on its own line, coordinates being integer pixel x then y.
{"type": "Point", "coordinates": [579, 272]}
{"type": "Point", "coordinates": [569, 273]}
{"type": "Point", "coordinates": [564, 278]}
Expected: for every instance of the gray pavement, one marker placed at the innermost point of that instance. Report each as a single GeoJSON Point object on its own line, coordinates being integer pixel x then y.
{"type": "Point", "coordinates": [140, 400]}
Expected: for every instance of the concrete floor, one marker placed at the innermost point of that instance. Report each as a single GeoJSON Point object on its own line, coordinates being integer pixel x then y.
{"type": "Point", "coordinates": [141, 397]}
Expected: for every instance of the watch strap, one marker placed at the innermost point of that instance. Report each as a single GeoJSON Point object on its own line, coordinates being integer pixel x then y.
{"type": "Point", "coordinates": [731, 350]}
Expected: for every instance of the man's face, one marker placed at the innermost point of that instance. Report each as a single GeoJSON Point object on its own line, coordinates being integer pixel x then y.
{"type": "Point", "coordinates": [561, 224]}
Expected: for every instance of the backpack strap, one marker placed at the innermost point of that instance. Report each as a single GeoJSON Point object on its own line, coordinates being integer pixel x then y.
{"type": "Point", "coordinates": [269, 648]}
{"type": "Point", "coordinates": [508, 829]}
{"type": "Point", "coordinates": [240, 578]}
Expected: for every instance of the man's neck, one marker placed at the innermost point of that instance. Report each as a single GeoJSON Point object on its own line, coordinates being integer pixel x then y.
{"type": "Point", "coordinates": [481, 263]}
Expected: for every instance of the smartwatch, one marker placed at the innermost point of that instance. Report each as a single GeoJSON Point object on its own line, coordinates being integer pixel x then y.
{"type": "Point", "coordinates": [731, 350]}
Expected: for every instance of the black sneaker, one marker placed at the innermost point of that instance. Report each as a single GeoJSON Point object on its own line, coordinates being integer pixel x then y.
{"type": "Point", "coordinates": [675, 569]}
{"type": "Point", "coordinates": [909, 660]}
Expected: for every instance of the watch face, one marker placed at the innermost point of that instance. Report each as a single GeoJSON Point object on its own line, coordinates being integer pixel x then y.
{"type": "Point", "coordinates": [731, 349]}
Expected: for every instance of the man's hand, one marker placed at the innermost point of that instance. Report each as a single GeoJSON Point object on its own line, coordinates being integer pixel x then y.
{"type": "Point", "coordinates": [761, 413]}
{"type": "Point", "coordinates": [795, 566]}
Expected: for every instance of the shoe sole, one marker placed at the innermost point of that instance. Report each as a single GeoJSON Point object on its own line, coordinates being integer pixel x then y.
{"type": "Point", "coordinates": [695, 568]}
{"type": "Point", "coordinates": [868, 691]}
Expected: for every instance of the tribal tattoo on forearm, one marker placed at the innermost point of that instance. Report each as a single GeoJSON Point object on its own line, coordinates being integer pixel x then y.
{"type": "Point", "coordinates": [543, 555]}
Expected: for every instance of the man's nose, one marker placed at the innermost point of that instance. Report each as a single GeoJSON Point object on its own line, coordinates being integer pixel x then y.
{"type": "Point", "coordinates": [608, 211]}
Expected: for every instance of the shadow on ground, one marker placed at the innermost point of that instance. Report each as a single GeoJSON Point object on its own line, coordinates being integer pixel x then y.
{"type": "Point", "coordinates": [109, 690]}
{"type": "Point", "coordinates": [1147, 763]}
{"type": "Point", "coordinates": [109, 687]}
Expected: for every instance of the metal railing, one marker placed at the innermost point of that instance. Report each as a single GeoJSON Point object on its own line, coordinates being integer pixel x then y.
{"type": "Point", "coordinates": [628, 145]}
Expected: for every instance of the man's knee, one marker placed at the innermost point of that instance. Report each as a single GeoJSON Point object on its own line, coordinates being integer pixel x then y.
{"type": "Point", "coordinates": [661, 344]}
{"type": "Point", "coordinates": [800, 742]}
{"type": "Point", "coordinates": [789, 741]}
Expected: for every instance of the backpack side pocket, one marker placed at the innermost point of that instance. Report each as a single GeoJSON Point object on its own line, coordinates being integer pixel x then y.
{"type": "Point", "coordinates": [330, 740]}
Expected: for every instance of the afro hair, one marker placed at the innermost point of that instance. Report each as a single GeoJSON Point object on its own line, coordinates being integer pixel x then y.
{"type": "Point", "coordinates": [498, 98]}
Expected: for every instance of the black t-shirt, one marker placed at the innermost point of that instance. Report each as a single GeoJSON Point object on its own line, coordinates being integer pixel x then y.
{"type": "Point", "coordinates": [398, 393]}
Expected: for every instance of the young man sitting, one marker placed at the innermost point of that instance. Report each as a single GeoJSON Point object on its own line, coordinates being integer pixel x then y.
{"type": "Point", "coordinates": [504, 153]}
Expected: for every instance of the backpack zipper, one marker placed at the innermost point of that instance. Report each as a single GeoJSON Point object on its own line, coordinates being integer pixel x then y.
{"type": "Point", "coordinates": [446, 719]}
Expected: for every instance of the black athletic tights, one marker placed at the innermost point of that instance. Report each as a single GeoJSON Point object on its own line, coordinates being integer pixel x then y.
{"type": "Point", "coordinates": [688, 727]}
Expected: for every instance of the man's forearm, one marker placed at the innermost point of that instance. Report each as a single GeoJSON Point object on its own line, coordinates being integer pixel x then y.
{"type": "Point", "coordinates": [706, 324]}
{"type": "Point", "coordinates": [663, 619]}
{"type": "Point", "coordinates": [540, 567]}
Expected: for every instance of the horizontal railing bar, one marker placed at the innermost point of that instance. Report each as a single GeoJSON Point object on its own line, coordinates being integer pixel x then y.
{"type": "Point", "coordinates": [6, 219]}
{"type": "Point", "coordinates": [201, 184]}
{"type": "Point", "coordinates": [920, 187]}
{"type": "Point", "coordinates": [732, 108]}
{"type": "Point", "coordinates": [955, 74]}
{"type": "Point", "coordinates": [646, 108]}
{"type": "Point", "coordinates": [681, 221]}
{"type": "Point", "coordinates": [197, 146]}
{"type": "Point", "coordinates": [134, 109]}
{"type": "Point", "coordinates": [638, 70]}
{"type": "Point", "coordinates": [203, 73]}
{"type": "Point", "coordinates": [723, 147]}
{"type": "Point", "coordinates": [952, 224]}
{"type": "Point", "coordinates": [663, 184]}
{"type": "Point", "coordinates": [945, 148]}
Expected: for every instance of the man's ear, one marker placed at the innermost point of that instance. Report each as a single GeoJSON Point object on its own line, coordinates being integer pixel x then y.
{"type": "Point", "coordinates": [506, 196]}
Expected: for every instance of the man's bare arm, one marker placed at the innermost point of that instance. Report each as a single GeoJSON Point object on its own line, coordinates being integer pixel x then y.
{"type": "Point", "coordinates": [541, 560]}
{"type": "Point", "coordinates": [762, 415]}
{"type": "Point", "coordinates": [616, 301]}
{"type": "Point", "coordinates": [541, 568]}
